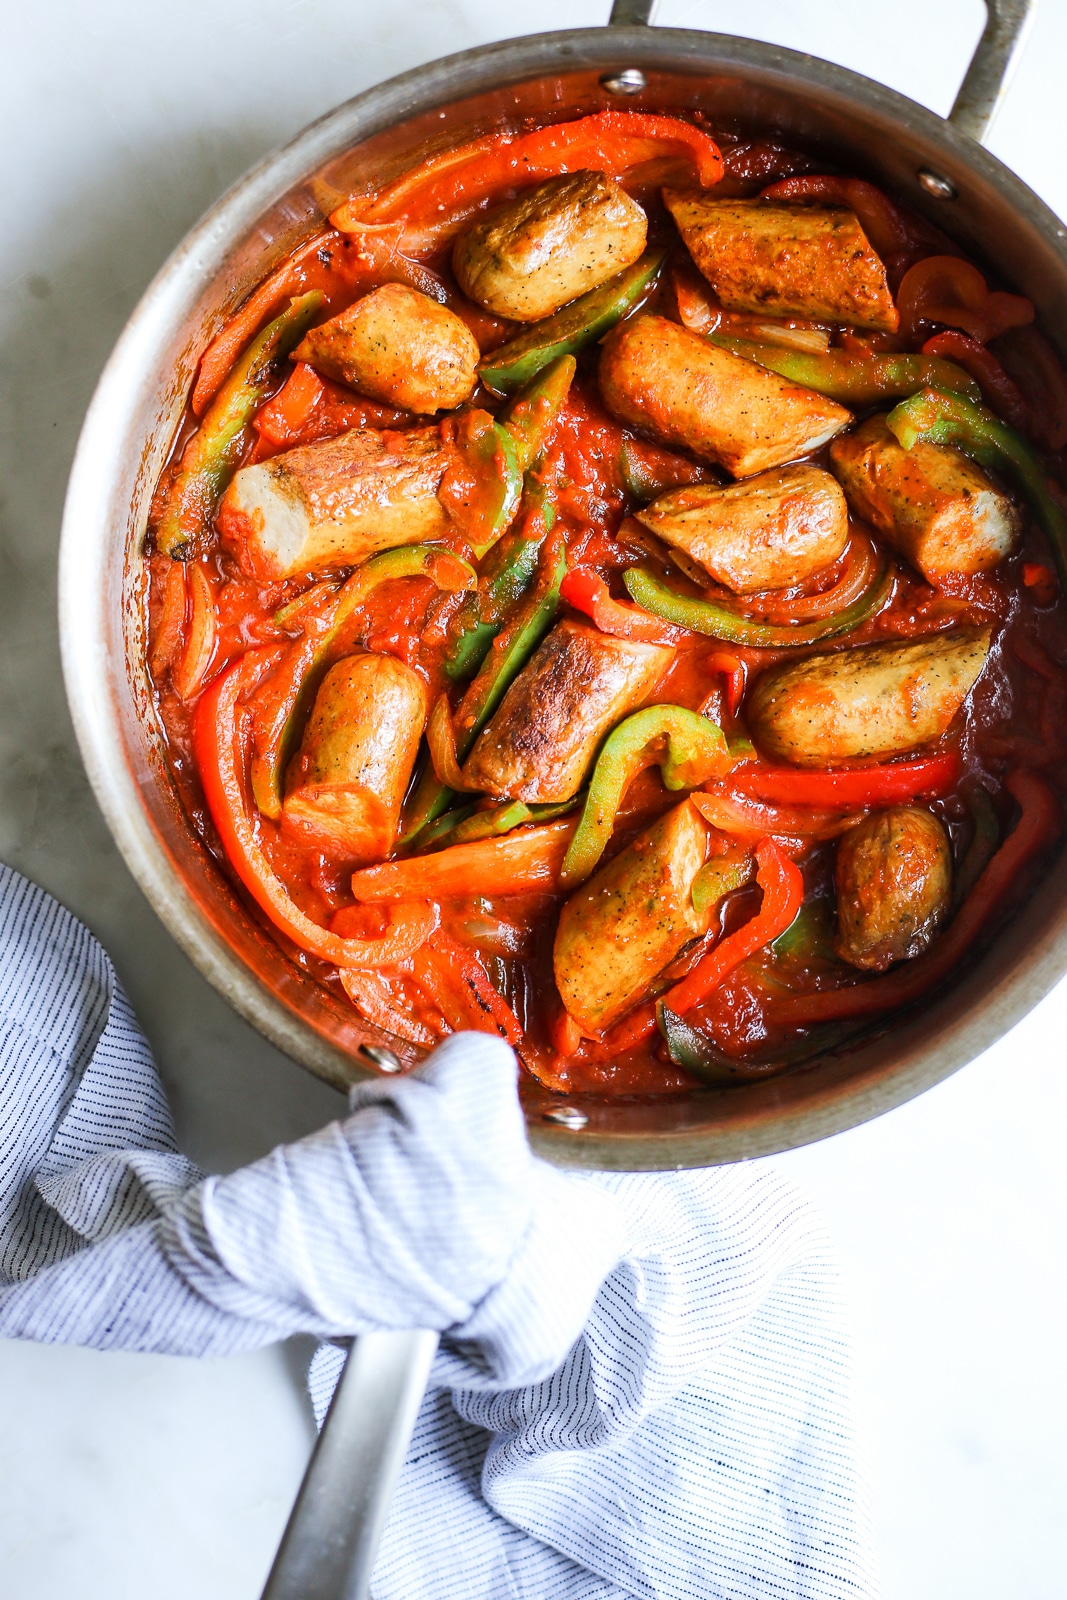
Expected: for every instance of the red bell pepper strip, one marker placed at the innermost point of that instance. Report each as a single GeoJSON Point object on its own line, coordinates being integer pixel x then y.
{"type": "Point", "coordinates": [458, 181]}
{"type": "Point", "coordinates": [220, 747]}
{"type": "Point", "coordinates": [744, 818]}
{"type": "Point", "coordinates": [171, 625]}
{"type": "Point", "coordinates": [1041, 581]}
{"type": "Point", "coordinates": [524, 862]}
{"type": "Point", "coordinates": [586, 591]}
{"type": "Point", "coordinates": [1037, 827]}
{"type": "Point", "coordinates": [687, 748]}
{"type": "Point", "coordinates": [783, 894]}
{"type": "Point", "coordinates": [950, 290]}
{"type": "Point", "coordinates": [851, 788]}
{"type": "Point", "coordinates": [1000, 391]}
{"type": "Point", "coordinates": [733, 669]}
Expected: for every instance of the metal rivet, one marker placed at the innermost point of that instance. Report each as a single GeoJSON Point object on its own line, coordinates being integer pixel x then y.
{"type": "Point", "coordinates": [631, 80]}
{"type": "Point", "coordinates": [567, 1117]}
{"type": "Point", "coordinates": [941, 188]}
{"type": "Point", "coordinates": [382, 1058]}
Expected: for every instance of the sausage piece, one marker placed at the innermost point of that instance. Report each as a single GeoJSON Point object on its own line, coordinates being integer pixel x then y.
{"type": "Point", "coordinates": [894, 887]}
{"type": "Point", "coordinates": [876, 700]}
{"type": "Point", "coordinates": [618, 932]}
{"type": "Point", "coordinates": [347, 781]}
{"type": "Point", "coordinates": [335, 503]}
{"type": "Point", "coordinates": [935, 507]}
{"type": "Point", "coordinates": [785, 260]}
{"type": "Point", "coordinates": [579, 684]}
{"type": "Point", "coordinates": [550, 245]}
{"type": "Point", "coordinates": [685, 391]}
{"type": "Point", "coordinates": [397, 346]}
{"type": "Point", "coordinates": [773, 530]}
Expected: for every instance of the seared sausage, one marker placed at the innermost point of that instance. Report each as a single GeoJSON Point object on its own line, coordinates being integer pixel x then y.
{"type": "Point", "coordinates": [894, 887]}
{"type": "Point", "coordinates": [346, 783]}
{"type": "Point", "coordinates": [618, 932]}
{"type": "Point", "coordinates": [579, 684]}
{"type": "Point", "coordinates": [685, 391]}
{"type": "Point", "coordinates": [335, 503]}
{"type": "Point", "coordinates": [876, 700]}
{"type": "Point", "coordinates": [549, 246]}
{"type": "Point", "coordinates": [785, 260]}
{"type": "Point", "coordinates": [397, 346]}
{"type": "Point", "coordinates": [766, 533]}
{"type": "Point", "coordinates": [933, 505]}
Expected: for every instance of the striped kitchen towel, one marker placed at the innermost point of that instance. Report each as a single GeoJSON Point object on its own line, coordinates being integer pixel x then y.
{"type": "Point", "coordinates": [643, 1383]}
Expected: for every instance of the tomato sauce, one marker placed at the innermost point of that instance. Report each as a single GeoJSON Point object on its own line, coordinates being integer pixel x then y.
{"type": "Point", "coordinates": [600, 472]}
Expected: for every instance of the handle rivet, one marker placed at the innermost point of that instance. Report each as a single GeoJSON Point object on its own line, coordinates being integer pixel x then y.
{"type": "Point", "coordinates": [567, 1117]}
{"type": "Point", "coordinates": [382, 1058]}
{"type": "Point", "coordinates": [941, 188]}
{"type": "Point", "coordinates": [631, 80]}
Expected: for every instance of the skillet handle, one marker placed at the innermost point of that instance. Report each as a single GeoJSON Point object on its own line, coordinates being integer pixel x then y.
{"type": "Point", "coordinates": [328, 1548]}
{"type": "Point", "coordinates": [988, 76]}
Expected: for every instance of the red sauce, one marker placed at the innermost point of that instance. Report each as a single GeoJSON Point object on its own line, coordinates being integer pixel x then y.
{"type": "Point", "coordinates": [1016, 716]}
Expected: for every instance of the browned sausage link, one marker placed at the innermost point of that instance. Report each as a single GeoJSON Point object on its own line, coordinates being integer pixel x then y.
{"type": "Point", "coordinates": [619, 931]}
{"type": "Point", "coordinates": [541, 742]}
{"type": "Point", "coordinates": [933, 505]}
{"type": "Point", "coordinates": [336, 503]}
{"type": "Point", "coordinates": [894, 887]}
{"type": "Point", "coordinates": [658, 376]}
{"type": "Point", "coordinates": [877, 700]}
{"type": "Point", "coordinates": [773, 530]}
{"type": "Point", "coordinates": [550, 245]}
{"type": "Point", "coordinates": [397, 346]}
{"type": "Point", "coordinates": [347, 781]}
{"type": "Point", "coordinates": [785, 260]}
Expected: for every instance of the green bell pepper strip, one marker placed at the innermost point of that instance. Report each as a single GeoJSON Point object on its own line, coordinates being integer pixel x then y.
{"type": "Point", "coordinates": [570, 329]}
{"type": "Point", "coordinates": [935, 418]}
{"type": "Point", "coordinates": [721, 876]}
{"type": "Point", "coordinates": [508, 654]}
{"type": "Point", "coordinates": [687, 748]}
{"type": "Point", "coordinates": [688, 1047]}
{"type": "Point", "coordinates": [718, 622]}
{"type": "Point", "coordinates": [211, 456]}
{"type": "Point", "coordinates": [277, 707]}
{"type": "Point", "coordinates": [467, 823]}
{"type": "Point", "coordinates": [983, 846]}
{"type": "Point", "coordinates": [531, 417]}
{"type": "Point", "coordinates": [854, 380]}
{"type": "Point", "coordinates": [507, 574]}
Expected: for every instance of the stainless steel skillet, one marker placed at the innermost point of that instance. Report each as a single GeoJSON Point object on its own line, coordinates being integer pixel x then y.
{"type": "Point", "coordinates": [939, 167]}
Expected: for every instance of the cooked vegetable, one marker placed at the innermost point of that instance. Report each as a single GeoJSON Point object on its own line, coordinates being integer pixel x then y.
{"type": "Point", "coordinates": [442, 190]}
{"type": "Point", "coordinates": [721, 875]}
{"type": "Point", "coordinates": [949, 290]}
{"type": "Point", "coordinates": [852, 378]}
{"type": "Point", "coordinates": [687, 393]}
{"type": "Point", "coordinates": [572, 328]}
{"type": "Point", "coordinates": [999, 391]}
{"type": "Point", "coordinates": [894, 887]}
{"type": "Point", "coordinates": [783, 894]}
{"type": "Point", "coordinates": [189, 672]}
{"type": "Point", "coordinates": [278, 705]}
{"type": "Point", "coordinates": [347, 784]}
{"type": "Point", "coordinates": [337, 502]}
{"type": "Point", "coordinates": [877, 700]}
{"type": "Point", "coordinates": [399, 347]}
{"type": "Point", "coordinates": [934, 418]}
{"type": "Point", "coordinates": [929, 502]}
{"type": "Point", "coordinates": [708, 616]}
{"type": "Point", "coordinates": [586, 591]}
{"type": "Point", "coordinates": [553, 243]}
{"type": "Point", "coordinates": [219, 746]}
{"type": "Point", "coordinates": [851, 789]}
{"type": "Point", "coordinates": [983, 845]}
{"type": "Point", "coordinates": [771, 531]}
{"type": "Point", "coordinates": [1038, 826]}
{"type": "Point", "coordinates": [183, 527]}
{"type": "Point", "coordinates": [508, 654]}
{"type": "Point", "coordinates": [522, 862]}
{"type": "Point", "coordinates": [618, 933]}
{"type": "Point", "coordinates": [687, 748]}
{"type": "Point", "coordinates": [785, 260]}
{"type": "Point", "coordinates": [541, 742]}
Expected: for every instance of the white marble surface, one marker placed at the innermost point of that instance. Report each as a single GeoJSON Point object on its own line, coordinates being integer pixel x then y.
{"type": "Point", "coordinates": [128, 1476]}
